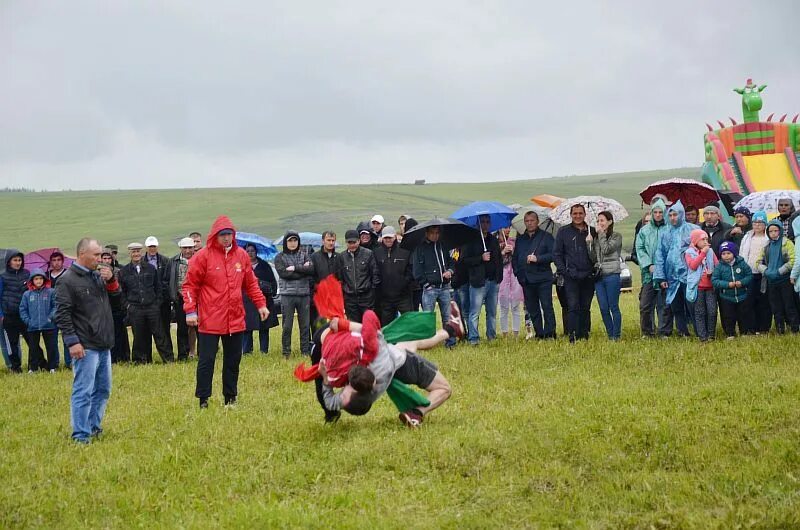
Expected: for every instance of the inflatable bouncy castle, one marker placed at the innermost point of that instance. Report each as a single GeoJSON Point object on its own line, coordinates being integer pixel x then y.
{"type": "Point", "coordinates": [754, 155]}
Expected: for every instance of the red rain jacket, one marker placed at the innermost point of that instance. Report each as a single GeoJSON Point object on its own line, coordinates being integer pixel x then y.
{"type": "Point", "coordinates": [214, 283]}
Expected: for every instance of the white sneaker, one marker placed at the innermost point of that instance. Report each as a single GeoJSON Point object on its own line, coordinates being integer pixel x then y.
{"type": "Point", "coordinates": [52, 371]}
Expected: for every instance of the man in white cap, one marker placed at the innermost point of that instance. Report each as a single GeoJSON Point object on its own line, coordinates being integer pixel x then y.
{"type": "Point", "coordinates": [160, 262]}
{"type": "Point", "coordinates": [177, 271]}
{"type": "Point", "coordinates": [141, 297]}
{"type": "Point", "coordinates": [377, 223]}
{"type": "Point", "coordinates": [394, 268]}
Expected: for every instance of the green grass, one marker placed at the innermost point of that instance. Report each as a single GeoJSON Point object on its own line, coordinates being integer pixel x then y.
{"type": "Point", "coordinates": [635, 434]}
{"type": "Point", "coordinates": [38, 220]}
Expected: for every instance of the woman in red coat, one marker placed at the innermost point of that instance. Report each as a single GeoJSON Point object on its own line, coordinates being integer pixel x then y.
{"type": "Point", "coordinates": [213, 302]}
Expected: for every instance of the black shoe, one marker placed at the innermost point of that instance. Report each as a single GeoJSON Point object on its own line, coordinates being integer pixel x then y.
{"type": "Point", "coordinates": [332, 416]}
{"type": "Point", "coordinates": [230, 401]}
{"type": "Point", "coordinates": [203, 403]}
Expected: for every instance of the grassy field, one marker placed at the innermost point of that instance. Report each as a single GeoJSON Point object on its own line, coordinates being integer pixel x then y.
{"type": "Point", "coordinates": [634, 434]}
{"type": "Point", "coordinates": [38, 220]}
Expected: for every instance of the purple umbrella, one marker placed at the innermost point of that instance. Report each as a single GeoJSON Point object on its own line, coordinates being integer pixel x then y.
{"type": "Point", "coordinates": [40, 259]}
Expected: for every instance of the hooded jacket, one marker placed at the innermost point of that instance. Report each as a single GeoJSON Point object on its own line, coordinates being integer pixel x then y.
{"type": "Point", "coordinates": [429, 262]}
{"type": "Point", "coordinates": [373, 237]}
{"type": "Point", "coordinates": [647, 241]}
{"type": "Point", "coordinates": [214, 283]}
{"type": "Point", "coordinates": [297, 282]}
{"type": "Point", "coordinates": [672, 244]}
{"type": "Point", "coordinates": [38, 306]}
{"type": "Point", "coordinates": [777, 258]}
{"type": "Point", "coordinates": [724, 273]}
{"type": "Point", "coordinates": [699, 264]}
{"type": "Point", "coordinates": [13, 284]}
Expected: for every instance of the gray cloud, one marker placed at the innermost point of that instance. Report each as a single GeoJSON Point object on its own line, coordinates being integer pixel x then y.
{"type": "Point", "coordinates": [147, 94]}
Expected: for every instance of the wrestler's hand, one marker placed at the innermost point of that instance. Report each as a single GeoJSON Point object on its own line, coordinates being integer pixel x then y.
{"type": "Point", "coordinates": [334, 324]}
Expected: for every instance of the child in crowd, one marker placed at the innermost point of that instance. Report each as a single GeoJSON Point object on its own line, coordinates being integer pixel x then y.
{"type": "Point", "coordinates": [775, 264]}
{"type": "Point", "coordinates": [701, 261]}
{"type": "Point", "coordinates": [510, 296]}
{"type": "Point", "coordinates": [752, 246]}
{"type": "Point", "coordinates": [38, 310]}
{"type": "Point", "coordinates": [731, 279]}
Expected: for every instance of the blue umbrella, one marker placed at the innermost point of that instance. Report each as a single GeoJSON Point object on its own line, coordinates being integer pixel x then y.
{"type": "Point", "coordinates": [265, 249]}
{"type": "Point", "coordinates": [500, 215]}
{"type": "Point", "coordinates": [307, 238]}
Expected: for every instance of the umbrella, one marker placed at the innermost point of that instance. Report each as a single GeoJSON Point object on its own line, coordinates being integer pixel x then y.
{"type": "Point", "coordinates": [729, 199]}
{"type": "Point", "coordinates": [500, 215]}
{"type": "Point", "coordinates": [3, 257]}
{"type": "Point", "coordinates": [306, 238]}
{"type": "Point", "coordinates": [265, 249]}
{"type": "Point", "coordinates": [768, 200]}
{"type": "Point", "coordinates": [688, 191]}
{"type": "Point", "coordinates": [594, 204]}
{"type": "Point", "coordinates": [454, 233]}
{"type": "Point", "coordinates": [546, 200]}
{"type": "Point", "coordinates": [40, 259]}
{"type": "Point", "coordinates": [545, 223]}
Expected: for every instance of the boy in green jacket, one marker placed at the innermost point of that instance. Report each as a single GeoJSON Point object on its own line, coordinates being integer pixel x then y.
{"type": "Point", "coordinates": [731, 279]}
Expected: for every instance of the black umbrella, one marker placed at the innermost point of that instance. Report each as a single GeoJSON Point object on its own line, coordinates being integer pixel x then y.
{"type": "Point", "coordinates": [729, 199]}
{"type": "Point", "coordinates": [454, 233]}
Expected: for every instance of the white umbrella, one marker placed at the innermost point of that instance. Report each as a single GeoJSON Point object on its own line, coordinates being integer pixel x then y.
{"type": "Point", "coordinates": [594, 204]}
{"type": "Point", "coordinates": [768, 200]}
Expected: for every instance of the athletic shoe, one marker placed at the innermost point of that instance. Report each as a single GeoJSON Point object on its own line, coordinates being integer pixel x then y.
{"type": "Point", "coordinates": [411, 418]}
{"type": "Point", "coordinates": [203, 403]}
{"type": "Point", "coordinates": [230, 401]}
{"type": "Point", "coordinates": [332, 416]}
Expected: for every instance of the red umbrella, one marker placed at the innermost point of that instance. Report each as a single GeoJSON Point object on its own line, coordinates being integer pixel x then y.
{"type": "Point", "coordinates": [688, 191]}
{"type": "Point", "coordinates": [40, 259]}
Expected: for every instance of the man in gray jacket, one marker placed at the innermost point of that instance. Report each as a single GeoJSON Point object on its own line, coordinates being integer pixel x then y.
{"type": "Point", "coordinates": [294, 272]}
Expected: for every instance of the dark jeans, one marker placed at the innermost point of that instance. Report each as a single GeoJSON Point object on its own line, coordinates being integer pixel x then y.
{"type": "Point", "coordinates": [182, 333]}
{"type": "Point", "coordinates": [651, 303]}
{"type": "Point", "coordinates": [539, 304]}
{"type": "Point", "coordinates": [166, 318]}
{"type": "Point", "coordinates": [579, 295]}
{"type": "Point", "coordinates": [781, 298]}
{"type": "Point", "coordinates": [678, 313]}
{"type": "Point", "coordinates": [36, 360]}
{"type": "Point", "coordinates": [390, 307]}
{"type": "Point", "coordinates": [290, 304]}
{"type": "Point", "coordinates": [207, 355]}
{"type": "Point", "coordinates": [733, 313]}
{"type": "Point", "coordinates": [759, 303]}
{"type": "Point", "coordinates": [416, 299]}
{"type": "Point", "coordinates": [146, 324]}
{"type": "Point", "coordinates": [356, 305]}
{"type": "Point", "coordinates": [12, 329]}
{"type": "Point", "coordinates": [121, 352]}
{"type": "Point", "coordinates": [561, 294]}
{"type": "Point", "coordinates": [263, 340]}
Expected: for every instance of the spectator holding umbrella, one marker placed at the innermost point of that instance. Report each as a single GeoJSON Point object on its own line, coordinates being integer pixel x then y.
{"type": "Point", "coordinates": [268, 284]}
{"type": "Point", "coordinates": [13, 284]}
{"type": "Point", "coordinates": [571, 256]}
{"type": "Point", "coordinates": [692, 214]}
{"type": "Point", "coordinates": [751, 249]}
{"type": "Point", "coordinates": [83, 314]}
{"type": "Point", "coordinates": [212, 297]}
{"type": "Point", "coordinates": [606, 249]}
{"type": "Point", "coordinates": [670, 270]}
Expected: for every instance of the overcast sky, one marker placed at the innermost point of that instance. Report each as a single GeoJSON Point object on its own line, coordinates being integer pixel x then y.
{"type": "Point", "coordinates": [138, 94]}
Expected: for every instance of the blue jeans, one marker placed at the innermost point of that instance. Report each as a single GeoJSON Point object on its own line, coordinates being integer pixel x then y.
{"type": "Point", "coordinates": [479, 296]}
{"type": "Point", "coordinates": [607, 290]}
{"type": "Point", "coordinates": [91, 386]}
{"type": "Point", "coordinates": [432, 295]}
{"type": "Point", "coordinates": [462, 299]}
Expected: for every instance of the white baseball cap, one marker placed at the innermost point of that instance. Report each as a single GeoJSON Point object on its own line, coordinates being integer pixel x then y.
{"type": "Point", "coordinates": [186, 242]}
{"type": "Point", "coordinates": [152, 242]}
{"type": "Point", "coordinates": [378, 217]}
